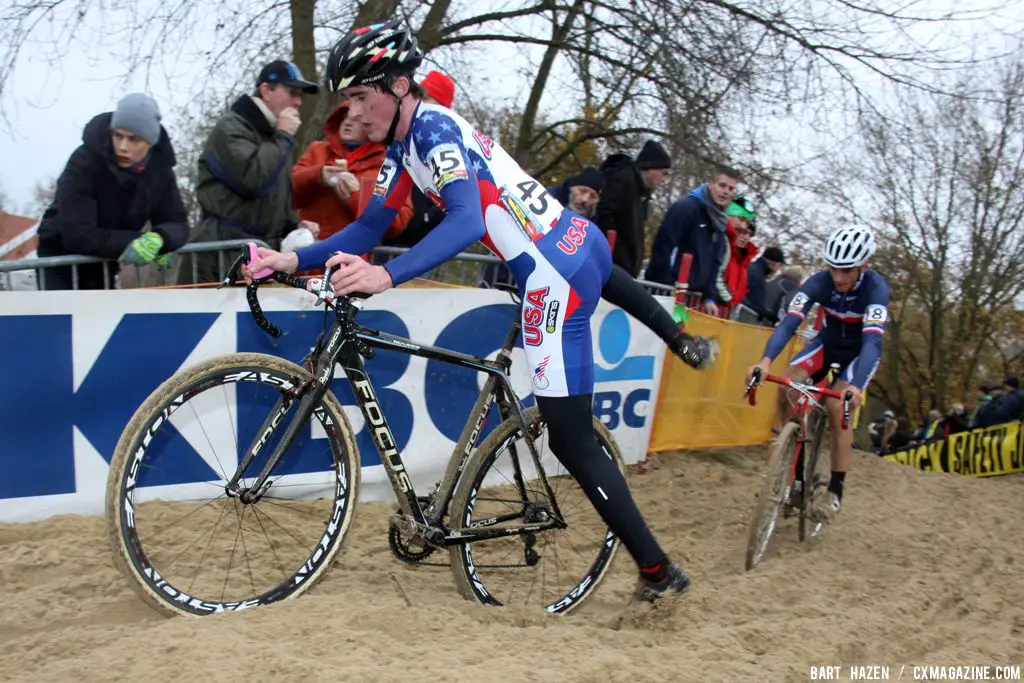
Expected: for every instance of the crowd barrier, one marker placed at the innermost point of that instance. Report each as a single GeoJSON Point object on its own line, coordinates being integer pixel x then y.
{"type": "Point", "coordinates": [706, 409]}
{"type": "Point", "coordinates": [79, 364]}
{"type": "Point", "coordinates": [985, 452]}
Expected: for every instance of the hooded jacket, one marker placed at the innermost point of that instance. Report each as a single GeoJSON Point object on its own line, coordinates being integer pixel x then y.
{"type": "Point", "coordinates": [623, 208]}
{"type": "Point", "coordinates": [315, 202]}
{"type": "Point", "coordinates": [688, 229]}
{"type": "Point", "coordinates": [740, 258]}
{"type": "Point", "coordinates": [100, 208]}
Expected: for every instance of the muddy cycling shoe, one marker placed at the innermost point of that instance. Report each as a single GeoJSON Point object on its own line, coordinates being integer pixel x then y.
{"type": "Point", "coordinates": [675, 581]}
{"type": "Point", "coordinates": [825, 505]}
{"type": "Point", "coordinates": [697, 352]}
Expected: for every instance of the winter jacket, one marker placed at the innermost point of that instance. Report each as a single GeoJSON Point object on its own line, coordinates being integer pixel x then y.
{"type": "Point", "coordinates": [687, 229]}
{"type": "Point", "coordinates": [736, 268]}
{"type": "Point", "coordinates": [623, 208]}
{"type": "Point", "coordinates": [100, 208]}
{"type": "Point", "coordinates": [320, 204]}
{"type": "Point", "coordinates": [244, 185]}
{"type": "Point", "coordinates": [777, 293]}
{"type": "Point", "coordinates": [757, 282]}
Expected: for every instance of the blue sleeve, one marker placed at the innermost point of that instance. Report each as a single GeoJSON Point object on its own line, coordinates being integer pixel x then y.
{"type": "Point", "coordinates": [456, 182]}
{"type": "Point", "coordinates": [806, 297]}
{"type": "Point", "coordinates": [390, 191]}
{"type": "Point", "coordinates": [876, 315]}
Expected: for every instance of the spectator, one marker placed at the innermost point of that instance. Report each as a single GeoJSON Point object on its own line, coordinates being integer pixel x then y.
{"type": "Point", "coordinates": [897, 435]}
{"type": "Point", "coordinates": [580, 193]}
{"type": "Point", "coordinates": [876, 430]}
{"type": "Point", "coordinates": [956, 421]}
{"type": "Point", "coordinates": [438, 89]}
{"type": "Point", "coordinates": [988, 401]}
{"type": "Point", "coordinates": [1010, 403]}
{"type": "Point", "coordinates": [118, 182]}
{"type": "Point", "coordinates": [695, 225]}
{"type": "Point", "coordinates": [244, 187]}
{"type": "Point", "coordinates": [623, 206]}
{"type": "Point", "coordinates": [739, 229]}
{"type": "Point", "coordinates": [759, 273]}
{"type": "Point", "coordinates": [333, 179]}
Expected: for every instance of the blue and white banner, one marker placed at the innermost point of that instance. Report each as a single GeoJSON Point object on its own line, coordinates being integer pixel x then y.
{"type": "Point", "coordinates": [78, 364]}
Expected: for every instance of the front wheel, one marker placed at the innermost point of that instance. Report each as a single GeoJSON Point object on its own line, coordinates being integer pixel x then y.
{"type": "Point", "coordinates": [189, 542]}
{"type": "Point", "coordinates": [557, 568]}
{"type": "Point", "coordinates": [774, 493]}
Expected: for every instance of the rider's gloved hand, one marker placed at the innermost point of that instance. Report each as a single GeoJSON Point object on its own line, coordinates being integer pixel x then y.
{"type": "Point", "coordinates": [143, 249]}
{"type": "Point", "coordinates": [697, 352]}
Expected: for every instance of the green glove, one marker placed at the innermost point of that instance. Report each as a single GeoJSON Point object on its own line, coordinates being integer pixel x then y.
{"type": "Point", "coordinates": [143, 249]}
{"type": "Point", "coordinates": [164, 262]}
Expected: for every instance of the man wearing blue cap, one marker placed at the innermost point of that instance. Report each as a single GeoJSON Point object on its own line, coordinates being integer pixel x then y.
{"type": "Point", "coordinates": [244, 184]}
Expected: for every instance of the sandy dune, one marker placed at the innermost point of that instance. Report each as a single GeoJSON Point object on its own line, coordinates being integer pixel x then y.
{"type": "Point", "coordinates": [923, 569]}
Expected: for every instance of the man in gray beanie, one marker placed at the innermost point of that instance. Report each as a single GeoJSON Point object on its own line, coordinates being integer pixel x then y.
{"type": "Point", "coordinates": [138, 114]}
{"type": "Point", "coordinates": [117, 198]}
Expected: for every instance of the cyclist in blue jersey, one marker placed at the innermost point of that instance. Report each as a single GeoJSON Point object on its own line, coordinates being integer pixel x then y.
{"type": "Point", "coordinates": [560, 260]}
{"type": "Point", "coordinates": [855, 302]}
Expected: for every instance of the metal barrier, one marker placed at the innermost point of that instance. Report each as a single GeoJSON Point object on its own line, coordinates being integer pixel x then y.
{"type": "Point", "coordinates": [41, 264]}
{"type": "Point", "coordinates": [466, 268]}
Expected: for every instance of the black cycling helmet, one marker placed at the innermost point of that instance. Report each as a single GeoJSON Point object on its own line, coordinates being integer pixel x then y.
{"type": "Point", "coordinates": [369, 55]}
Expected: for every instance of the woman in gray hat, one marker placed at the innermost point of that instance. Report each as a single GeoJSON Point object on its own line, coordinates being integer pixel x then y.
{"type": "Point", "coordinates": [117, 198]}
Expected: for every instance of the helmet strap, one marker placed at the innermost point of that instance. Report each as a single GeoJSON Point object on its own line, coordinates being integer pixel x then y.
{"type": "Point", "coordinates": [386, 87]}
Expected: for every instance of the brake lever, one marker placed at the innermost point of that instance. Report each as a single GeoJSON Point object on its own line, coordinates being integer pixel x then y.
{"type": "Point", "coordinates": [846, 409]}
{"type": "Point", "coordinates": [751, 390]}
{"type": "Point", "coordinates": [325, 287]}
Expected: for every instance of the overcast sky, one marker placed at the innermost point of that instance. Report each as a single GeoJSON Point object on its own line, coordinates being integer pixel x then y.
{"type": "Point", "coordinates": [47, 106]}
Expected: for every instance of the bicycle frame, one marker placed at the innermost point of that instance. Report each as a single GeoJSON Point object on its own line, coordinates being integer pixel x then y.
{"type": "Point", "coordinates": [347, 343]}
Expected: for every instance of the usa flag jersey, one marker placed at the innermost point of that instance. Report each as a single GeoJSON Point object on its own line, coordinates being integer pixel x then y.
{"type": "Point", "coordinates": [560, 259]}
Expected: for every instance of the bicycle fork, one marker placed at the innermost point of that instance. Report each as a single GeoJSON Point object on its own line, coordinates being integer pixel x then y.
{"type": "Point", "coordinates": [308, 397]}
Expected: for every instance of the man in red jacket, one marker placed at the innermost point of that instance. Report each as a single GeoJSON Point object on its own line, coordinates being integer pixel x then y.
{"type": "Point", "coordinates": [333, 180]}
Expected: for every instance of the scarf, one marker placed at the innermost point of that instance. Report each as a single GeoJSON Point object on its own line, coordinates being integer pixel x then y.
{"type": "Point", "coordinates": [715, 212]}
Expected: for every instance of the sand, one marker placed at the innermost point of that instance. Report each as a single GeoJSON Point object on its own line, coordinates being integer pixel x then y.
{"type": "Point", "coordinates": [920, 569]}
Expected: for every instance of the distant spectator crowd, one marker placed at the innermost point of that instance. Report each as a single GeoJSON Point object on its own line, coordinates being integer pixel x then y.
{"type": "Point", "coordinates": [997, 404]}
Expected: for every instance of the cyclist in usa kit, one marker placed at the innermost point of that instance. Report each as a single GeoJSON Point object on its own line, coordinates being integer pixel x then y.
{"type": "Point", "coordinates": [560, 260]}
{"type": "Point", "coordinates": [855, 302]}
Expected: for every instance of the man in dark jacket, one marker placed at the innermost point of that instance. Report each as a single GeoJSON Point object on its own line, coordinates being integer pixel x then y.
{"type": "Point", "coordinates": [695, 225]}
{"type": "Point", "coordinates": [780, 291]}
{"type": "Point", "coordinates": [244, 185]}
{"type": "Point", "coordinates": [117, 198]}
{"type": "Point", "coordinates": [758, 273]}
{"type": "Point", "coordinates": [623, 205]}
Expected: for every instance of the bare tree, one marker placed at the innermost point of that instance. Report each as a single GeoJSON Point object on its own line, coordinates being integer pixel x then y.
{"type": "Point", "coordinates": [945, 186]}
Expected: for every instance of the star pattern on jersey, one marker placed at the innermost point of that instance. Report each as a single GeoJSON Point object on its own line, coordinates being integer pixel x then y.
{"type": "Point", "coordinates": [430, 129]}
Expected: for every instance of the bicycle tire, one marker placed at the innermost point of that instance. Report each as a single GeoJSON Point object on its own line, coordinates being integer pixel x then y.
{"type": "Point", "coordinates": [808, 527]}
{"type": "Point", "coordinates": [467, 496]}
{"type": "Point", "coordinates": [127, 467]}
{"type": "Point", "coordinates": [773, 493]}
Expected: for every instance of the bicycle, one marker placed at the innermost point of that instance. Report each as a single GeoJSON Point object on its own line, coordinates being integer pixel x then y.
{"type": "Point", "coordinates": [292, 494]}
{"type": "Point", "coordinates": [798, 443]}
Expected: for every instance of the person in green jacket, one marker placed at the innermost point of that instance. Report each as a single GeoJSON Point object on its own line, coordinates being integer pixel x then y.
{"type": "Point", "coordinates": [244, 184]}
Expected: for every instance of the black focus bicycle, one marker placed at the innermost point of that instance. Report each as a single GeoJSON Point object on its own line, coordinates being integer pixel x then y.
{"type": "Point", "coordinates": [235, 482]}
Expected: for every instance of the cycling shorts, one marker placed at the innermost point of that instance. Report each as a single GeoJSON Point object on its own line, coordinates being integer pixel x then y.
{"type": "Point", "coordinates": [560, 277]}
{"type": "Point", "coordinates": [816, 359]}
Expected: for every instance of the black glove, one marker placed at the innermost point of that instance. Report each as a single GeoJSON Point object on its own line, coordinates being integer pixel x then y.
{"type": "Point", "coordinates": [697, 352]}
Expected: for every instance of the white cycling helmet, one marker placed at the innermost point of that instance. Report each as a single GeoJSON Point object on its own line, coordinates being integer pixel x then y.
{"type": "Point", "coordinates": [849, 247]}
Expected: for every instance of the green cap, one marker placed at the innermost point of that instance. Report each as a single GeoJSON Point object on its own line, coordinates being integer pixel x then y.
{"type": "Point", "coordinates": [742, 207]}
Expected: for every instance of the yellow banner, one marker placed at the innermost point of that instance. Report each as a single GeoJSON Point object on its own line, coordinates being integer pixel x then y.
{"type": "Point", "coordinates": [979, 453]}
{"type": "Point", "coordinates": [707, 409]}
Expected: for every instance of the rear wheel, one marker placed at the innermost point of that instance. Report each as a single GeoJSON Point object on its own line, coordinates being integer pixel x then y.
{"type": "Point", "coordinates": [501, 487]}
{"type": "Point", "coordinates": [774, 493]}
{"type": "Point", "coordinates": [187, 541]}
